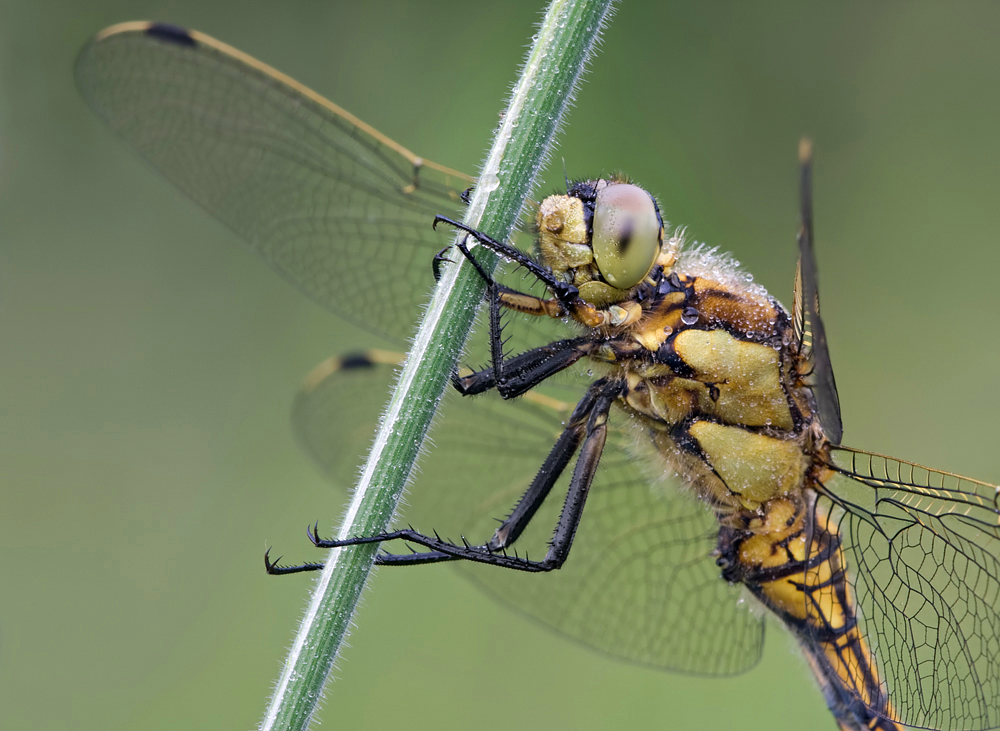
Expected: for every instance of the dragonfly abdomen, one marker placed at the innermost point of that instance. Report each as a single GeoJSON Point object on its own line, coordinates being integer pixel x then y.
{"type": "Point", "coordinates": [792, 560]}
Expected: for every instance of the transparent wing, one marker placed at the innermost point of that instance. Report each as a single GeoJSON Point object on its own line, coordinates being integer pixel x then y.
{"type": "Point", "coordinates": [334, 206]}
{"type": "Point", "coordinates": [640, 583]}
{"type": "Point", "coordinates": [922, 548]}
{"type": "Point", "coordinates": [809, 329]}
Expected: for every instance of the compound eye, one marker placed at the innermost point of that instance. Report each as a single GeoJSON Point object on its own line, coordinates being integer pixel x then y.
{"type": "Point", "coordinates": [626, 234]}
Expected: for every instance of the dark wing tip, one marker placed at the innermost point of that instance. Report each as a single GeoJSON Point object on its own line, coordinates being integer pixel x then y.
{"type": "Point", "coordinates": [171, 34]}
{"type": "Point", "coordinates": [356, 361]}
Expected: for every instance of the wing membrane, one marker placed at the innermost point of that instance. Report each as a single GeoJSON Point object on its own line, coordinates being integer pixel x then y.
{"type": "Point", "coordinates": [641, 582]}
{"type": "Point", "coordinates": [809, 329]}
{"type": "Point", "coordinates": [334, 206]}
{"type": "Point", "coordinates": [922, 548]}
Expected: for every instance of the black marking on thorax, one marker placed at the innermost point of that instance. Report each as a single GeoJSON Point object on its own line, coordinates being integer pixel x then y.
{"type": "Point", "coordinates": [669, 357]}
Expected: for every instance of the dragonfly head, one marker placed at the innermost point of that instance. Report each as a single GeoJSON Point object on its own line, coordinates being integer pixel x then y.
{"type": "Point", "coordinates": [603, 236]}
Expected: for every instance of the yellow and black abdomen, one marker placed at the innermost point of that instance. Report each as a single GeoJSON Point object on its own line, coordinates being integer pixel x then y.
{"type": "Point", "coordinates": [793, 562]}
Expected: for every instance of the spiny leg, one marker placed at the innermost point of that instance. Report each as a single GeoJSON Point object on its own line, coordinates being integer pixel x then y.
{"type": "Point", "coordinates": [564, 292]}
{"type": "Point", "coordinates": [525, 371]}
{"type": "Point", "coordinates": [274, 569]}
{"type": "Point", "coordinates": [566, 299]}
{"type": "Point", "coordinates": [499, 295]}
{"type": "Point", "coordinates": [438, 261]}
{"type": "Point", "coordinates": [497, 342]}
{"type": "Point", "coordinates": [383, 559]}
{"type": "Point", "coordinates": [587, 426]}
{"type": "Point", "coordinates": [586, 431]}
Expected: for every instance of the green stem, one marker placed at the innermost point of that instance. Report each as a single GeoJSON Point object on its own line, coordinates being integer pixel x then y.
{"type": "Point", "coordinates": [565, 40]}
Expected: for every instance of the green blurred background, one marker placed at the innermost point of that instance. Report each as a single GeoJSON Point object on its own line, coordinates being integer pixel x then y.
{"type": "Point", "coordinates": [148, 361]}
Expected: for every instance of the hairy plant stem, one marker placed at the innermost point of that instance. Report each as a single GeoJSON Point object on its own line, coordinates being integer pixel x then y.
{"type": "Point", "coordinates": [565, 40]}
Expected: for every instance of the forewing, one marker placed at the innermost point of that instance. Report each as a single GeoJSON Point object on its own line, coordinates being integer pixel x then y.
{"type": "Point", "coordinates": [334, 206]}
{"type": "Point", "coordinates": [640, 583]}
{"type": "Point", "coordinates": [922, 550]}
{"type": "Point", "coordinates": [809, 329]}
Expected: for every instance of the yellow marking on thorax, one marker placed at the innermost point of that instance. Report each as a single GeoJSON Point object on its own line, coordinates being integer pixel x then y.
{"type": "Point", "coordinates": [754, 467]}
{"type": "Point", "coordinates": [673, 399]}
{"type": "Point", "coordinates": [625, 314]}
{"type": "Point", "coordinates": [747, 377]}
{"type": "Point", "coordinates": [658, 325]}
{"type": "Point", "coordinates": [694, 473]}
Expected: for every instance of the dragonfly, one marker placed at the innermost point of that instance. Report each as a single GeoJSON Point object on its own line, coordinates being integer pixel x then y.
{"type": "Point", "coordinates": [689, 420]}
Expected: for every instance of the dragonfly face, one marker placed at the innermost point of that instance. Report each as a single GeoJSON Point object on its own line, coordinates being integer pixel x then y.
{"type": "Point", "coordinates": [701, 463]}
{"type": "Point", "coordinates": [603, 236]}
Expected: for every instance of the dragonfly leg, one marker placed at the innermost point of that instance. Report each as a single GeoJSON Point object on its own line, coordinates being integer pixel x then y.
{"type": "Point", "coordinates": [525, 371]}
{"type": "Point", "coordinates": [441, 550]}
{"type": "Point", "coordinates": [515, 377]}
{"type": "Point", "coordinates": [463, 247]}
{"type": "Point", "coordinates": [412, 559]}
{"type": "Point", "coordinates": [439, 260]}
{"type": "Point", "coordinates": [383, 559]}
{"type": "Point", "coordinates": [274, 569]}
{"type": "Point", "coordinates": [497, 343]}
{"type": "Point", "coordinates": [566, 293]}
{"type": "Point", "coordinates": [509, 298]}
{"type": "Point", "coordinates": [595, 437]}
{"type": "Point", "coordinates": [517, 300]}
{"type": "Point", "coordinates": [586, 432]}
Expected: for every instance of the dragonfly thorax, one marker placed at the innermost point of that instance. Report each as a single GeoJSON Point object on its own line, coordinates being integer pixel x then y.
{"type": "Point", "coordinates": [718, 385]}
